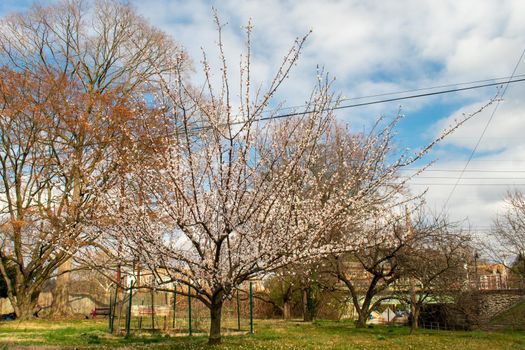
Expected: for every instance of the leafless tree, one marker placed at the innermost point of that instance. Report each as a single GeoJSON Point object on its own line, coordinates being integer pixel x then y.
{"type": "Point", "coordinates": [101, 47]}
{"type": "Point", "coordinates": [50, 198]}
{"type": "Point", "coordinates": [434, 267]}
{"type": "Point", "coordinates": [27, 242]}
{"type": "Point", "coordinates": [369, 272]}
{"type": "Point", "coordinates": [509, 234]}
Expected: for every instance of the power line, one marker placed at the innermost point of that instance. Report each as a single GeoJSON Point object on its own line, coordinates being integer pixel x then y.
{"type": "Point", "coordinates": [389, 100]}
{"type": "Point", "coordinates": [462, 184]}
{"type": "Point", "coordinates": [498, 160]}
{"type": "Point", "coordinates": [484, 130]}
{"type": "Point", "coordinates": [469, 178]}
{"type": "Point", "coordinates": [466, 171]}
{"type": "Point", "coordinates": [419, 89]}
{"type": "Point", "coordinates": [362, 104]}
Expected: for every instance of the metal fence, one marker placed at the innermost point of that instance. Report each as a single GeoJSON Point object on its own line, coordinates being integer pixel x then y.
{"type": "Point", "coordinates": [178, 312]}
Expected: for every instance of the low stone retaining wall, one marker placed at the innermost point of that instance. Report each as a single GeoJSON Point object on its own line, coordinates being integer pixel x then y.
{"type": "Point", "coordinates": [492, 303]}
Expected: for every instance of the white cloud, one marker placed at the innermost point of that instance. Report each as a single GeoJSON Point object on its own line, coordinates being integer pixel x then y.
{"type": "Point", "coordinates": [504, 131]}
{"type": "Point", "coordinates": [404, 41]}
{"type": "Point", "coordinates": [374, 47]}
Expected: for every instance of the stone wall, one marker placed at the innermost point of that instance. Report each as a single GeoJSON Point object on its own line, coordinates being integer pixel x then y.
{"type": "Point", "coordinates": [472, 309]}
{"type": "Point", "coordinates": [492, 303]}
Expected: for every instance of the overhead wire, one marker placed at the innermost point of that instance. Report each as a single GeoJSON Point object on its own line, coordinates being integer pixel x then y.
{"type": "Point", "coordinates": [465, 171]}
{"type": "Point", "coordinates": [468, 178]}
{"type": "Point", "coordinates": [369, 103]}
{"type": "Point", "coordinates": [511, 80]}
{"type": "Point", "coordinates": [485, 128]}
{"type": "Point", "coordinates": [417, 89]}
{"type": "Point", "coordinates": [466, 184]}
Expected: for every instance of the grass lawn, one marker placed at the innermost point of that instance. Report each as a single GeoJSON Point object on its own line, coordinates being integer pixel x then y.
{"type": "Point", "coordinates": [513, 318]}
{"type": "Point", "coordinates": [90, 334]}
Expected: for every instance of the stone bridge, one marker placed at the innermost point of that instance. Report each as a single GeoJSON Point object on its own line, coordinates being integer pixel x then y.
{"type": "Point", "coordinates": [473, 309]}
{"type": "Point", "coordinates": [493, 302]}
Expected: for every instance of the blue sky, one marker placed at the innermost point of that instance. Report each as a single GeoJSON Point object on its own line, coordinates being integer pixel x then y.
{"type": "Point", "coordinates": [374, 47]}
{"type": "Point", "coordinates": [7, 6]}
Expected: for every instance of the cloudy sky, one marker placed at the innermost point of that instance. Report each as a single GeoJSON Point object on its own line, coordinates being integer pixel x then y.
{"type": "Point", "coordinates": [378, 47]}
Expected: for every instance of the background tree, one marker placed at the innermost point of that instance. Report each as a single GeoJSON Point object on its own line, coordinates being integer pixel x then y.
{"type": "Point", "coordinates": [27, 241]}
{"type": "Point", "coordinates": [102, 47]}
{"type": "Point", "coordinates": [369, 271]}
{"type": "Point", "coordinates": [509, 234]}
{"type": "Point", "coordinates": [43, 224]}
{"type": "Point", "coordinates": [358, 174]}
{"type": "Point", "coordinates": [354, 171]}
{"type": "Point", "coordinates": [433, 267]}
{"type": "Point", "coordinates": [281, 288]}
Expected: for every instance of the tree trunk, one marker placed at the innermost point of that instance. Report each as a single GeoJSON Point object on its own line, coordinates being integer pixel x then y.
{"type": "Point", "coordinates": [25, 306]}
{"type": "Point", "coordinates": [414, 325]}
{"type": "Point", "coordinates": [286, 298]}
{"type": "Point", "coordinates": [361, 320]}
{"type": "Point", "coordinates": [413, 306]}
{"type": "Point", "coordinates": [287, 312]}
{"type": "Point", "coordinates": [61, 306]}
{"type": "Point", "coordinates": [215, 319]}
{"type": "Point", "coordinates": [23, 295]}
{"type": "Point", "coordinates": [308, 305]}
{"type": "Point", "coordinates": [363, 313]}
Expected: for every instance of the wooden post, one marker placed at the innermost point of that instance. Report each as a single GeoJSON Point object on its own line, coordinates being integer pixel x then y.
{"type": "Point", "coordinates": [114, 310]}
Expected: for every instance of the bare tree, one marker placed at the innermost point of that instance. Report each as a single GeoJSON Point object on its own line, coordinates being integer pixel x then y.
{"type": "Point", "coordinates": [508, 234]}
{"type": "Point", "coordinates": [51, 194]}
{"type": "Point", "coordinates": [369, 272]}
{"type": "Point", "coordinates": [27, 243]}
{"type": "Point", "coordinates": [102, 47]}
{"type": "Point", "coordinates": [98, 43]}
{"type": "Point", "coordinates": [434, 266]}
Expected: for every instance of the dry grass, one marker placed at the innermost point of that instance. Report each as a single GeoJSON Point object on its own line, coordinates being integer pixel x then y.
{"type": "Point", "coordinates": [269, 335]}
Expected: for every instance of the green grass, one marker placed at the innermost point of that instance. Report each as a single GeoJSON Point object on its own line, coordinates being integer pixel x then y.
{"type": "Point", "coordinates": [513, 318]}
{"type": "Point", "coordinates": [269, 335]}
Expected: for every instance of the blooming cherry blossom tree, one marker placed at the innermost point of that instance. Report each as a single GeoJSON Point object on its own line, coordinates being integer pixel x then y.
{"type": "Point", "coordinates": [234, 191]}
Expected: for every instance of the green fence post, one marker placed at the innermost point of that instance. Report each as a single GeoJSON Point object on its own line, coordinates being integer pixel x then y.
{"type": "Point", "coordinates": [174, 304]}
{"type": "Point", "coordinates": [189, 311]}
{"type": "Point", "coordinates": [110, 324]}
{"type": "Point", "coordinates": [153, 309]}
{"type": "Point", "coordinates": [238, 311]}
{"type": "Point", "coordinates": [251, 307]}
{"type": "Point", "coordinates": [128, 321]}
{"type": "Point", "coordinates": [114, 309]}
